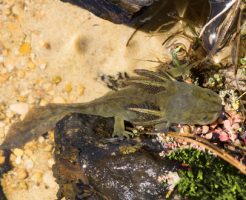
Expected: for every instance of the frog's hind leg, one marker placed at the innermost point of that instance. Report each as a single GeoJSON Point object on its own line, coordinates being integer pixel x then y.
{"type": "Point", "coordinates": [114, 82]}
{"type": "Point", "coordinates": [151, 86]}
{"type": "Point", "coordinates": [161, 80]}
{"type": "Point", "coordinates": [158, 76]}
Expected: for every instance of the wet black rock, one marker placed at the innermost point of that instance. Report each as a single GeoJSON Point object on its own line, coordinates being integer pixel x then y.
{"type": "Point", "coordinates": [89, 164]}
{"type": "Point", "coordinates": [147, 15]}
{"type": "Point", "coordinates": [118, 11]}
{"type": "Point", "coordinates": [4, 168]}
{"type": "Point", "coordinates": [2, 195]}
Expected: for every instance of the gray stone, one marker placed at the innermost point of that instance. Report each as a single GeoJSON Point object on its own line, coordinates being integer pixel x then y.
{"type": "Point", "coordinates": [89, 164]}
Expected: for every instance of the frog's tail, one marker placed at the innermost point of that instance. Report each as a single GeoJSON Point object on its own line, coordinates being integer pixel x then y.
{"type": "Point", "coordinates": [38, 121]}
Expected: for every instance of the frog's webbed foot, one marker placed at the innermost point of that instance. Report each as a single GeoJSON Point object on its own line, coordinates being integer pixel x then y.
{"type": "Point", "coordinates": [125, 134]}
{"type": "Point", "coordinates": [154, 82]}
{"type": "Point", "coordinates": [114, 82]}
{"type": "Point", "coordinates": [119, 128]}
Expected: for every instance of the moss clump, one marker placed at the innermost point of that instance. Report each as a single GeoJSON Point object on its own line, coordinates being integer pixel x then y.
{"type": "Point", "coordinates": [208, 177]}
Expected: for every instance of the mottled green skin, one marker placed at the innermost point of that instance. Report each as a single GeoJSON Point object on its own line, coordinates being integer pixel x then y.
{"type": "Point", "coordinates": [192, 104]}
{"type": "Point", "coordinates": [176, 102]}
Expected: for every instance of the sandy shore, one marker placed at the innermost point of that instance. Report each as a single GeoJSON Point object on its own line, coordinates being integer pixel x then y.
{"type": "Point", "coordinates": [51, 51]}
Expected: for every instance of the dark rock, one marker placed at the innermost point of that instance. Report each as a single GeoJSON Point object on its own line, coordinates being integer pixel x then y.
{"type": "Point", "coordinates": [118, 11]}
{"type": "Point", "coordinates": [2, 195]}
{"type": "Point", "coordinates": [4, 168]}
{"type": "Point", "coordinates": [91, 165]}
{"type": "Point", "coordinates": [147, 15]}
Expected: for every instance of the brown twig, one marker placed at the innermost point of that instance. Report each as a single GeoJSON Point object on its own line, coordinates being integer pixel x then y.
{"type": "Point", "coordinates": [204, 143]}
{"type": "Point", "coordinates": [133, 34]}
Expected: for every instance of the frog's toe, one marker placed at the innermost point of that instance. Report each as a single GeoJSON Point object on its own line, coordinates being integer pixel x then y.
{"type": "Point", "coordinates": [123, 134]}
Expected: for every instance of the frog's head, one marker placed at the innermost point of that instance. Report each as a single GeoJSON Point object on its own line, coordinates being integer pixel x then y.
{"type": "Point", "coordinates": [194, 105]}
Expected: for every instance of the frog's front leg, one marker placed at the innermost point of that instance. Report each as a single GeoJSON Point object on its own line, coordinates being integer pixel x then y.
{"type": "Point", "coordinates": [119, 128]}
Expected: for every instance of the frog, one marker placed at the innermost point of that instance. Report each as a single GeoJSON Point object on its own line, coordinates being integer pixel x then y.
{"type": "Point", "coordinates": [148, 99]}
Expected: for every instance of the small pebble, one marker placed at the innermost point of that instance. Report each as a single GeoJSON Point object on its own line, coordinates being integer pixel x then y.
{"type": "Point", "coordinates": [41, 139]}
{"type": "Point", "coordinates": [5, 52]}
{"type": "Point", "coordinates": [18, 160]}
{"type": "Point", "coordinates": [21, 74]}
{"type": "Point", "coordinates": [19, 108]}
{"type": "Point", "coordinates": [22, 98]}
{"type": "Point", "coordinates": [18, 152]}
{"type": "Point", "coordinates": [32, 145]}
{"type": "Point", "coordinates": [186, 129]}
{"type": "Point", "coordinates": [231, 148]}
{"type": "Point", "coordinates": [227, 124]}
{"type": "Point", "coordinates": [17, 8]}
{"type": "Point", "coordinates": [48, 148]}
{"type": "Point", "coordinates": [7, 11]}
{"type": "Point", "coordinates": [51, 162]}
{"type": "Point", "coordinates": [235, 105]}
{"type": "Point", "coordinates": [9, 113]}
{"type": "Point", "coordinates": [238, 118]}
{"type": "Point", "coordinates": [37, 177]}
{"type": "Point", "coordinates": [51, 135]}
{"type": "Point", "coordinates": [47, 45]}
{"type": "Point", "coordinates": [23, 185]}
{"type": "Point", "coordinates": [2, 115]}
{"type": "Point", "coordinates": [2, 157]}
{"type": "Point", "coordinates": [31, 65]}
{"type": "Point", "coordinates": [22, 173]}
{"type": "Point", "coordinates": [12, 158]}
{"type": "Point", "coordinates": [236, 126]}
{"type": "Point", "coordinates": [28, 152]}
{"type": "Point", "coordinates": [14, 185]}
{"type": "Point", "coordinates": [25, 49]}
{"type": "Point", "coordinates": [209, 136]}
{"type": "Point", "coordinates": [10, 67]}
{"type": "Point", "coordinates": [49, 180]}
{"type": "Point", "coordinates": [56, 80]}
{"type": "Point", "coordinates": [43, 102]}
{"type": "Point", "coordinates": [205, 129]}
{"type": "Point", "coordinates": [25, 92]}
{"type": "Point", "coordinates": [81, 90]}
{"type": "Point", "coordinates": [237, 143]}
{"type": "Point", "coordinates": [31, 99]}
{"type": "Point", "coordinates": [68, 88]}
{"type": "Point", "coordinates": [42, 66]}
{"type": "Point", "coordinates": [28, 164]}
{"type": "Point", "coordinates": [4, 77]}
{"type": "Point", "coordinates": [1, 59]}
{"type": "Point", "coordinates": [2, 124]}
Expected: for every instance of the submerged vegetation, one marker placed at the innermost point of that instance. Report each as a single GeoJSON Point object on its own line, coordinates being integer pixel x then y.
{"type": "Point", "coordinates": [213, 157]}
{"type": "Point", "coordinates": [207, 177]}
